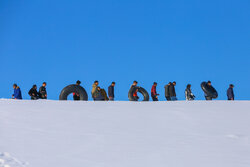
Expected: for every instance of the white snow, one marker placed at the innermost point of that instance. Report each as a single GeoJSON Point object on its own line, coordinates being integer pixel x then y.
{"type": "Point", "coordinates": [124, 134]}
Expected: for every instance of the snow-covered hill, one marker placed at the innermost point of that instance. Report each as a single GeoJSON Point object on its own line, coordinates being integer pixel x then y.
{"type": "Point", "coordinates": [124, 134]}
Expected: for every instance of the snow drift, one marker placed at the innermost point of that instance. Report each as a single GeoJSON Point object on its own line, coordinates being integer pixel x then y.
{"type": "Point", "coordinates": [124, 134]}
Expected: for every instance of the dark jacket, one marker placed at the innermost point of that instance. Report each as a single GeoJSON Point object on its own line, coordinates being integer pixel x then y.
{"type": "Point", "coordinates": [43, 92]}
{"type": "Point", "coordinates": [172, 90]}
{"type": "Point", "coordinates": [17, 93]}
{"type": "Point", "coordinates": [111, 91]}
{"type": "Point", "coordinates": [153, 91]}
{"type": "Point", "coordinates": [33, 93]}
{"type": "Point", "coordinates": [98, 96]}
{"type": "Point", "coordinates": [230, 94]}
{"type": "Point", "coordinates": [167, 91]}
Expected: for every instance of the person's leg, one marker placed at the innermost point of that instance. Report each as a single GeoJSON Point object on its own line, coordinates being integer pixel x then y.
{"type": "Point", "coordinates": [111, 98]}
{"type": "Point", "coordinates": [154, 98]}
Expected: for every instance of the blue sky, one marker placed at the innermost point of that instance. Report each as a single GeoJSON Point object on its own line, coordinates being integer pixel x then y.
{"type": "Point", "coordinates": [184, 41]}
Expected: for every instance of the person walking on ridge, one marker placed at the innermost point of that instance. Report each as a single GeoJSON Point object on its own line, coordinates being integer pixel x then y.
{"type": "Point", "coordinates": [230, 92]}
{"type": "Point", "coordinates": [17, 92]}
{"type": "Point", "coordinates": [43, 91]}
{"type": "Point", "coordinates": [167, 95]}
{"type": "Point", "coordinates": [111, 91]}
{"type": "Point", "coordinates": [76, 96]}
{"type": "Point", "coordinates": [33, 93]}
{"type": "Point", "coordinates": [154, 94]}
{"type": "Point", "coordinates": [188, 93]}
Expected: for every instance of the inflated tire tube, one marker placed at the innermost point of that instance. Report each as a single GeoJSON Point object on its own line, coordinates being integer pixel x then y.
{"type": "Point", "coordinates": [140, 90]}
{"type": "Point", "coordinates": [71, 89]}
{"type": "Point", "coordinates": [210, 91]}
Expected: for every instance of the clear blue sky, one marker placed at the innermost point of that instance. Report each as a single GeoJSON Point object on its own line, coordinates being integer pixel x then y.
{"type": "Point", "coordinates": [162, 40]}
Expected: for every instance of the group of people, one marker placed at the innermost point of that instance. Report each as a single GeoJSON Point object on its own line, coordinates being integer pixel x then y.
{"type": "Point", "coordinates": [170, 93]}
{"type": "Point", "coordinates": [99, 94]}
{"type": "Point", "coordinates": [34, 94]}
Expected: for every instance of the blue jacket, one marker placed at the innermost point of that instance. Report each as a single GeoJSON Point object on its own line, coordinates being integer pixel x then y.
{"type": "Point", "coordinates": [111, 91]}
{"type": "Point", "coordinates": [17, 93]}
{"type": "Point", "coordinates": [230, 93]}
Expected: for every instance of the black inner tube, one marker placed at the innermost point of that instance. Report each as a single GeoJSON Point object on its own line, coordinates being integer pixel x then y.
{"type": "Point", "coordinates": [71, 89]}
{"type": "Point", "coordinates": [140, 90]}
{"type": "Point", "coordinates": [210, 91]}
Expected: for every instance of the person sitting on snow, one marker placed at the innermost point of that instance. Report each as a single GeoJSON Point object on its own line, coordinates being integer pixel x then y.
{"type": "Point", "coordinates": [98, 95]}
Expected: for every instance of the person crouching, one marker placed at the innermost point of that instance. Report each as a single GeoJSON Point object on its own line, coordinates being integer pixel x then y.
{"type": "Point", "coordinates": [98, 95]}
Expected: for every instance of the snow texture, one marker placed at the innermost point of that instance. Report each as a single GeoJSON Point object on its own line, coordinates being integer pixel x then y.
{"type": "Point", "coordinates": [124, 134]}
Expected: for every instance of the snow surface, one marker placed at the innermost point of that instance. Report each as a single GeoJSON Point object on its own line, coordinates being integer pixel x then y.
{"type": "Point", "coordinates": [124, 134]}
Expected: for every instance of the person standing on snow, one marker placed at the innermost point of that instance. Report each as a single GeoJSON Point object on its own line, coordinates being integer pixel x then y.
{"type": "Point", "coordinates": [17, 92]}
{"type": "Point", "coordinates": [33, 93]}
{"type": "Point", "coordinates": [167, 95]}
{"type": "Point", "coordinates": [230, 92]}
{"type": "Point", "coordinates": [94, 88]}
{"type": "Point", "coordinates": [111, 91]}
{"type": "Point", "coordinates": [188, 93]}
{"type": "Point", "coordinates": [154, 94]}
{"type": "Point", "coordinates": [134, 85]}
{"type": "Point", "coordinates": [172, 92]}
{"type": "Point", "coordinates": [76, 96]}
{"type": "Point", "coordinates": [43, 91]}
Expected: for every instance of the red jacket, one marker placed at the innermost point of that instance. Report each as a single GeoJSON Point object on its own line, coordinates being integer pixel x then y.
{"type": "Point", "coordinates": [153, 91]}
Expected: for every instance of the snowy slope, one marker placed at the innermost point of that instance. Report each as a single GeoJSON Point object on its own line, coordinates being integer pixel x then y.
{"type": "Point", "coordinates": [124, 134]}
